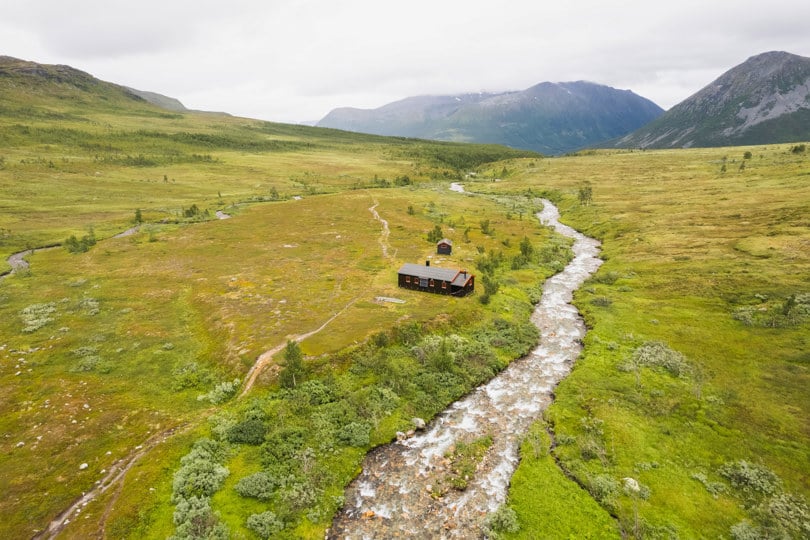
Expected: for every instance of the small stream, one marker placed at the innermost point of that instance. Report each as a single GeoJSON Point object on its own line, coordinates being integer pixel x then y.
{"type": "Point", "coordinates": [392, 496]}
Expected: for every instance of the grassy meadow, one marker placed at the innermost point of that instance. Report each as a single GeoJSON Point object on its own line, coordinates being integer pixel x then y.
{"type": "Point", "coordinates": [693, 383]}
{"type": "Point", "coordinates": [694, 379]}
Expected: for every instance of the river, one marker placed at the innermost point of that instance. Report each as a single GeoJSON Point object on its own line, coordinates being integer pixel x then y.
{"type": "Point", "coordinates": [392, 497]}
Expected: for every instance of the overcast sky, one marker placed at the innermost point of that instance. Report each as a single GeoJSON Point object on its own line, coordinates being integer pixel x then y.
{"type": "Point", "coordinates": [295, 60]}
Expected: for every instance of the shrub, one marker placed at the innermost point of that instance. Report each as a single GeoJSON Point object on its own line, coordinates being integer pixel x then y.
{"type": "Point", "coordinates": [744, 530]}
{"type": "Point", "coordinates": [750, 479]}
{"type": "Point", "coordinates": [317, 392]}
{"type": "Point", "coordinates": [36, 316]}
{"type": "Point", "coordinates": [221, 392]}
{"type": "Point", "coordinates": [200, 473]}
{"type": "Point", "coordinates": [80, 245]}
{"type": "Point", "coordinates": [604, 489]}
{"type": "Point", "coordinates": [260, 485]}
{"type": "Point", "coordinates": [194, 519]}
{"type": "Point", "coordinates": [282, 446]}
{"type": "Point", "coordinates": [190, 375]}
{"type": "Point", "coordinates": [601, 301]}
{"type": "Point", "coordinates": [354, 434]}
{"type": "Point", "coordinates": [435, 235]}
{"type": "Point", "coordinates": [265, 524]}
{"type": "Point", "coordinates": [502, 520]}
{"type": "Point", "coordinates": [198, 477]}
{"type": "Point", "coordinates": [655, 354]}
{"type": "Point", "coordinates": [788, 513]}
{"type": "Point", "coordinates": [250, 431]}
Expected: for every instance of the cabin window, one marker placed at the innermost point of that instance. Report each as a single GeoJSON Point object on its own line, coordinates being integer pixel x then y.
{"type": "Point", "coordinates": [444, 284]}
{"type": "Point", "coordinates": [407, 279]}
{"type": "Point", "coordinates": [432, 284]}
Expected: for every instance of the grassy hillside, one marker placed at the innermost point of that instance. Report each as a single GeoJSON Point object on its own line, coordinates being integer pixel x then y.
{"type": "Point", "coordinates": [694, 380]}
{"type": "Point", "coordinates": [103, 354]}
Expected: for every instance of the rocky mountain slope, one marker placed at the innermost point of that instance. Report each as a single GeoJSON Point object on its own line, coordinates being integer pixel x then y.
{"type": "Point", "coordinates": [764, 100]}
{"type": "Point", "coordinates": [551, 118]}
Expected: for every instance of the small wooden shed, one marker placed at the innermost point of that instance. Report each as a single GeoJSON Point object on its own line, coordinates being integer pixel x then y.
{"type": "Point", "coordinates": [444, 246]}
{"type": "Point", "coordinates": [428, 278]}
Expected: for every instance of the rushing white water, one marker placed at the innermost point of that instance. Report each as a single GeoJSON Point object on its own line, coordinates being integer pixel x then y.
{"type": "Point", "coordinates": [392, 496]}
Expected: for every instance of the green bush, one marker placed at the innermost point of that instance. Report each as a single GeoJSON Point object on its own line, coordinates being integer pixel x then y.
{"type": "Point", "coordinates": [354, 434]}
{"type": "Point", "coordinates": [751, 479]}
{"type": "Point", "coordinates": [655, 354]}
{"type": "Point", "coordinates": [221, 392]}
{"type": "Point", "coordinates": [503, 520]}
{"type": "Point", "coordinates": [198, 478]}
{"type": "Point", "coordinates": [200, 473]}
{"type": "Point", "coordinates": [36, 316]}
{"type": "Point", "coordinates": [194, 519]}
{"type": "Point", "coordinates": [250, 431]}
{"type": "Point", "coordinates": [190, 375]}
{"type": "Point", "coordinates": [282, 446]}
{"type": "Point", "coordinates": [265, 524]}
{"type": "Point", "coordinates": [260, 485]}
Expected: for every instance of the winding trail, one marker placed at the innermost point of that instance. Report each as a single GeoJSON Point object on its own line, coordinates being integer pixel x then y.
{"type": "Point", "coordinates": [267, 356]}
{"type": "Point", "coordinates": [385, 230]}
{"type": "Point", "coordinates": [113, 477]}
{"type": "Point", "coordinates": [392, 495]}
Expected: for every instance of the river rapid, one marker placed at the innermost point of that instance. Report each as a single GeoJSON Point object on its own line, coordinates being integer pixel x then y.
{"type": "Point", "coordinates": [392, 497]}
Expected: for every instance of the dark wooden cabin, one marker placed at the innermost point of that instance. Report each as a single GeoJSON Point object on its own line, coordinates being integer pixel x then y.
{"type": "Point", "coordinates": [444, 247]}
{"type": "Point", "coordinates": [436, 280]}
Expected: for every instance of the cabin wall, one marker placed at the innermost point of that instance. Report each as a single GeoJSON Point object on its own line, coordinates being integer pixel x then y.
{"type": "Point", "coordinates": [413, 283]}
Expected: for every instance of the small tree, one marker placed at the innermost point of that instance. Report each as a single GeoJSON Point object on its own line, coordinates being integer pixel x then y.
{"type": "Point", "coordinates": [435, 235]}
{"type": "Point", "coordinates": [526, 248]}
{"type": "Point", "coordinates": [292, 371]}
{"type": "Point", "coordinates": [585, 194]}
{"type": "Point", "coordinates": [138, 216]}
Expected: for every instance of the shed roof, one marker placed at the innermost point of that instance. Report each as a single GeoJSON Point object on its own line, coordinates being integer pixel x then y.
{"type": "Point", "coordinates": [456, 277]}
{"type": "Point", "coordinates": [445, 241]}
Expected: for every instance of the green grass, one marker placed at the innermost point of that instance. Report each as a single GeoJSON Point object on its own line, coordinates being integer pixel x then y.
{"type": "Point", "coordinates": [686, 248]}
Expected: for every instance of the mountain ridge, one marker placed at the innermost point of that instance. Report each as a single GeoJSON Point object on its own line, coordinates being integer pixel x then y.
{"type": "Point", "coordinates": [60, 80]}
{"type": "Point", "coordinates": [764, 100]}
{"type": "Point", "coordinates": [551, 118]}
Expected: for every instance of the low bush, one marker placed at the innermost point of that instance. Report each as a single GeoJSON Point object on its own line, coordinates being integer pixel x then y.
{"type": "Point", "coordinates": [502, 520]}
{"type": "Point", "coordinates": [354, 434]}
{"type": "Point", "coordinates": [194, 519]}
{"type": "Point", "coordinates": [265, 524]}
{"type": "Point", "coordinates": [261, 485]}
{"type": "Point", "coordinates": [655, 354]}
{"type": "Point", "coordinates": [749, 478]}
{"type": "Point", "coordinates": [36, 316]}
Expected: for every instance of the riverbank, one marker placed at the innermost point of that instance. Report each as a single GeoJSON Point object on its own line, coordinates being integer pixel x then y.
{"type": "Point", "coordinates": [396, 493]}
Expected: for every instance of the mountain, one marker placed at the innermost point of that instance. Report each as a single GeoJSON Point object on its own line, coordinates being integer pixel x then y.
{"type": "Point", "coordinates": [25, 84]}
{"type": "Point", "coordinates": [764, 100]}
{"type": "Point", "coordinates": [551, 118]}
{"type": "Point", "coordinates": [164, 102]}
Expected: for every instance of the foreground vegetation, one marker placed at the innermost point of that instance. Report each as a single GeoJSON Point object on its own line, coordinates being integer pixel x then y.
{"type": "Point", "coordinates": [686, 416]}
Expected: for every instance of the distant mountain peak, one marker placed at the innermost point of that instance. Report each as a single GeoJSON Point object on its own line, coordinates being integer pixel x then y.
{"type": "Point", "coordinates": [766, 99]}
{"type": "Point", "coordinates": [551, 118]}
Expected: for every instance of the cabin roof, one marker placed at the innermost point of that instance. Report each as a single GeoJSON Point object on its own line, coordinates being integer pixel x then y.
{"type": "Point", "coordinates": [445, 241]}
{"type": "Point", "coordinates": [455, 277]}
